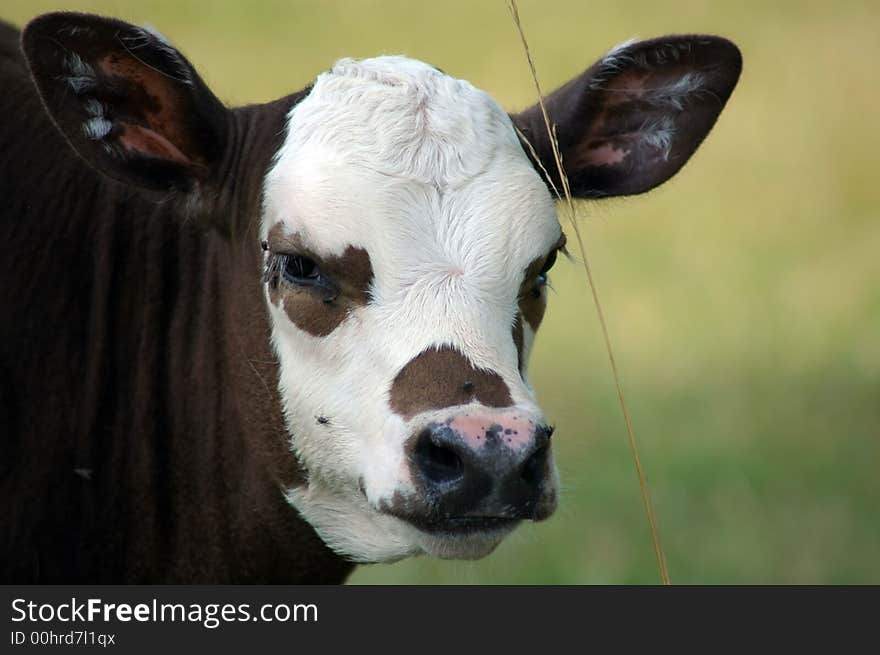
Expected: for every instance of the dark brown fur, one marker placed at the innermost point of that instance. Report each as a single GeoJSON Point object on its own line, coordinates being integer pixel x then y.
{"type": "Point", "coordinates": [142, 439]}
{"type": "Point", "coordinates": [443, 377]}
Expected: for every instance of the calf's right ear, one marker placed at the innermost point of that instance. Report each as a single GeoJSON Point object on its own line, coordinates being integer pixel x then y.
{"type": "Point", "coordinates": [128, 102]}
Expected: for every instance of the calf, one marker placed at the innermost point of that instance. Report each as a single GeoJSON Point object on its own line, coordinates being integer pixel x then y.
{"type": "Point", "coordinates": [260, 344]}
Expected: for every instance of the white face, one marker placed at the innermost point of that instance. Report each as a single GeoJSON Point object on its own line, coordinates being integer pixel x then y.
{"type": "Point", "coordinates": [400, 179]}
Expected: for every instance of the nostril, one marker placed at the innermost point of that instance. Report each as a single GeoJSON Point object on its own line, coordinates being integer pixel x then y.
{"type": "Point", "coordinates": [533, 470]}
{"type": "Point", "coordinates": [439, 463]}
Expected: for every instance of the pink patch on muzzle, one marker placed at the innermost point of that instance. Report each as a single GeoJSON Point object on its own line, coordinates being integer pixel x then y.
{"type": "Point", "coordinates": [512, 429]}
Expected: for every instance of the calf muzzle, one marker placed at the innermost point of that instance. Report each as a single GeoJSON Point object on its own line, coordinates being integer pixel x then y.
{"type": "Point", "coordinates": [482, 470]}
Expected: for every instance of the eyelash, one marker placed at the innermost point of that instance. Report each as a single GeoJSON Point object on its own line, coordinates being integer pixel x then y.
{"type": "Point", "coordinates": [298, 271]}
{"type": "Point", "coordinates": [542, 279]}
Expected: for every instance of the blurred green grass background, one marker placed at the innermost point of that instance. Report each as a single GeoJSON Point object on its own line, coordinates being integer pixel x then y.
{"type": "Point", "coordinates": [743, 297]}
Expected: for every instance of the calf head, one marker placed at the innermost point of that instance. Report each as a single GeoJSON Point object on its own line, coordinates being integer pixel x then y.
{"type": "Point", "coordinates": [407, 233]}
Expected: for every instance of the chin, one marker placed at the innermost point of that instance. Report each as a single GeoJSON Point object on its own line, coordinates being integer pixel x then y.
{"type": "Point", "coordinates": [360, 533]}
{"type": "Point", "coordinates": [470, 544]}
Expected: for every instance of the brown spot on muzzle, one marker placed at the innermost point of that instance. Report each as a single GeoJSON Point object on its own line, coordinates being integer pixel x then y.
{"type": "Point", "coordinates": [443, 377]}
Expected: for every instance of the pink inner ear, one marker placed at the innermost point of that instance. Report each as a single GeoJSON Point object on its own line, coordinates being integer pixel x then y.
{"type": "Point", "coordinates": [145, 141]}
{"type": "Point", "coordinates": [603, 154]}
{"type": "Point", "coordinates": [626, 87]}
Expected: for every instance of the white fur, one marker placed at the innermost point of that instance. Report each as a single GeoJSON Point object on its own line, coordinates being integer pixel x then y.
{"type": "Point", "coordinates": [148, 35]}
{"type": "Point", "coordinates": [76, 66]}
{"type": "Point", "coordinates": [673, 95]}
{"type": "Point", "coordinates": [426, 174]}
{"type": "Point", "coordinates": [668, 98]}
{"type": "Point", "coordinates": [658, 134]}
{"type": "Point", "coordinates": [97, 127]}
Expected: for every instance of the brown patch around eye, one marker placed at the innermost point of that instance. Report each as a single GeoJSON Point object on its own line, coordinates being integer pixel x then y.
{"type": "Point", "coordinates": [519, 342]}
{"type": "Point", "coordinates": [313, 310]}
{"type": "Point", "coordinates": [443, 377]}
{"type": "Point", "coordinates": [533, 299]}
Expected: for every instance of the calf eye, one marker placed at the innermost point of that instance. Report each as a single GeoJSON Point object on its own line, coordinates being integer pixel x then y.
{"type": "Point", "coordinates": [301, 270]}
{"type": "Point", "coordinates": [541, 280]}
{"type": "Point", "coordinates": [298, 271]}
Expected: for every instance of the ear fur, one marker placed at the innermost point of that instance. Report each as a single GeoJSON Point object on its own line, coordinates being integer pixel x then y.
{"type": "Point", "coordinates": [634, 118]}
{"type": "Point", "coordinates": [127, 101]}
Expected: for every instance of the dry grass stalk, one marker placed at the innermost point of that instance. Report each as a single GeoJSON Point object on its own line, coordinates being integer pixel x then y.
{"type": "Point", "coordinates": [551, 132]}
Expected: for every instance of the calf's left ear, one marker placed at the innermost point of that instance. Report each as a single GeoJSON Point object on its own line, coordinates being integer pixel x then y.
{"type": "Point", "coordinates": [633, 119]}
{"type": "Point", "coordinates": [128, 102]}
